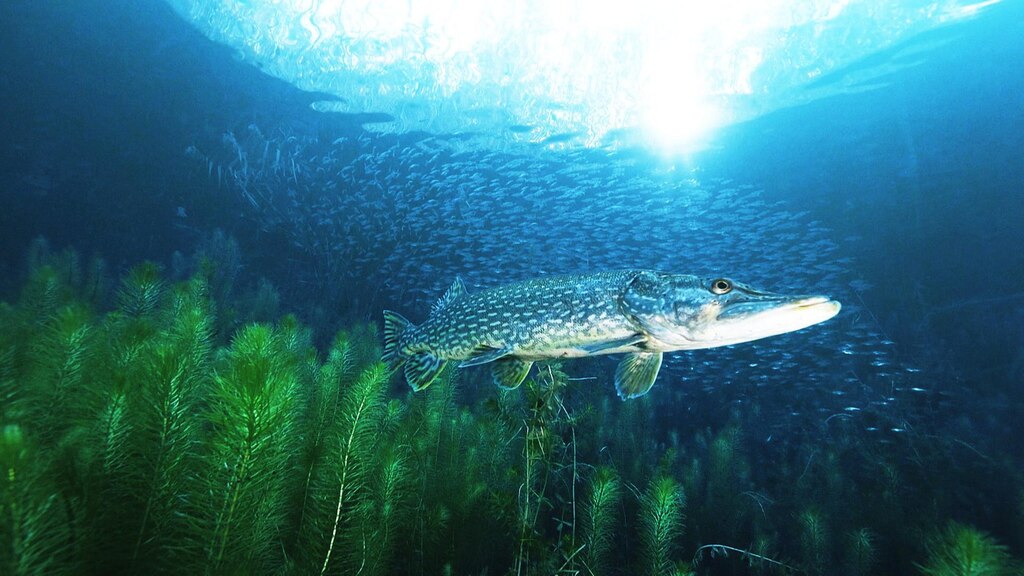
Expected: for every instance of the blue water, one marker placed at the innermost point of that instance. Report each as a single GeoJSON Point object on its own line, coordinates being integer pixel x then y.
{"type": "Point", "coordinates": [893, 181]}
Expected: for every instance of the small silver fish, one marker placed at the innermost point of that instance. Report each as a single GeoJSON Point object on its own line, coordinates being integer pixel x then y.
{"type": "Point", "coordinates": [640, 313]}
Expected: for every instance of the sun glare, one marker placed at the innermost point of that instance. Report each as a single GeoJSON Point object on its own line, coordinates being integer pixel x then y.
{"type": "Point", "coordinates": [576, 71]}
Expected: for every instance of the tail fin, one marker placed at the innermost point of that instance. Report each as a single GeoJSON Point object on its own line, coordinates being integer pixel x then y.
{"type": "Point", "coordinates": [394, 327]}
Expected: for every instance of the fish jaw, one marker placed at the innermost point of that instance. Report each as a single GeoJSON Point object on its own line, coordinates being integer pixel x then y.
{"type": "Point", "coordinates": [754, 320]}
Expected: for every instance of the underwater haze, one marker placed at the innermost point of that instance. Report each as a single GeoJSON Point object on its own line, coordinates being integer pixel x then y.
{"type": "Point", "coordinates": [206, 208]}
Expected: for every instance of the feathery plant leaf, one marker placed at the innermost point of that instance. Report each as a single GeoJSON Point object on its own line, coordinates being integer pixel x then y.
{"type": "Point", "coordinates": [143, 440]}
{"type": "Point", "coordinates": [965, 551]}
{"type": "Point", "coordinates": [164, 406]}
{"type": "Point", "coordinates": [380, 514]}
{"type": "Point", "coordinates": [141, 290]}
{"type": "Point", "coordinates": [661, 521]}
{"type": "Point", "coordinates": [251, 440]}
{"type": "Point", "coordinates": [115, 431]}
{"type": "Point", "coordinates": [56, 358]}
{"type": "Point", "coordinates": [10, 392]}
{"type": "Point", "coordinates": [316, 464]}
{"type": "Point", "coordinates": [43, 294]}
{"type": "Point", "coordinates": [34, 537]}
{"type": "Point", "coordinates": [359, 417]}
{"type": "Point", "coordinates": [599, 517]}
{"type": "Point", "coordinates": [861, 552]}
{"type": "Point", "coordinates": [814, 541]}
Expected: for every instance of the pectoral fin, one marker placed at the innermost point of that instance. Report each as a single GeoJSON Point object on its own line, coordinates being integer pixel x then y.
{"type": "Point", "coordinates": [636, 374]}
{"type": "Point", "coordinates": [613, 344]}
{"type": "Point", "coordinates": [509, 372]}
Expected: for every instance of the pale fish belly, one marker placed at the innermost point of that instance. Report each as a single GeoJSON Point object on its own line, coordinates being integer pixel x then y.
{"type": "Point", "coordinates": [577, 339]}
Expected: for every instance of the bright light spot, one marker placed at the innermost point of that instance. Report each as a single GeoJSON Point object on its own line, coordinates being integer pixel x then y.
{"type": "Point", "coordinates": [970, 10]}
{"type": "Point", "coordinates": [571, 73]}
{"type": "Point", "coordinates": [678, 122]}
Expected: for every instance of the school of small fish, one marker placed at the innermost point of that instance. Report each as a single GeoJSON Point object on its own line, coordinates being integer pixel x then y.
{"type": "Point", "coordinates": [396, 218]}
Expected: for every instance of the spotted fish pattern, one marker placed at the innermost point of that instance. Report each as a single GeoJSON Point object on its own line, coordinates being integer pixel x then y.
{"type": "Point", "coordinates": [641, 313]}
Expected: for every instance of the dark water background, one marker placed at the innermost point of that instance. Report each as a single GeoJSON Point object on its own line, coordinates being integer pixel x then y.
{"type": "Point", "coordinates": [906, 202]}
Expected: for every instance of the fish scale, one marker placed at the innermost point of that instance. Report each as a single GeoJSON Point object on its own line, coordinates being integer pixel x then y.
{"type": "Point", "coordinates": [641, 313]}
{"type": "Point", "coordinates": [529, 317]}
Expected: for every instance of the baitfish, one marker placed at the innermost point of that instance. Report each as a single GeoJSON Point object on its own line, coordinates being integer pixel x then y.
{"type": "Point", "coordinates": [639, 313]}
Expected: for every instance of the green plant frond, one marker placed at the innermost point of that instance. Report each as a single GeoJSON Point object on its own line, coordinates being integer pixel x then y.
{"type": "Point", "coordinates": [599, 516]}
{"type": "Point", "coordinates": [359, 416]}
{"type": "Point", "coordinates": [661, 521]}
{"type": "Point", "coordinates": [294, 336]}
{"type": "Point", "coordinates": [392, 418]}
{"type": "Point", "coordinates": [814, 540]}
{"type": "Point", "coordinates": [861, 554]}
{"type": "Point", "coordinates": [961, 550]}
{"type": "Point", "coordinates": [55, 362]}
{"type": "Point", "coordinates": [190, 331]}
{"type": "Point", "coordinates": [11, 394]}
{"type": "Point", "coordinates": [43, 293]}
{"type": "Point", "coordinates": [164, 434]}
{"type": "Point", "coordinates": [34, 531]}
{"type": "Point", "coordinates": [38, 253]}
{"type": "Point", "coordinates": [380, 513]}
{"type": "Point", "coordinates": [141, 290]}
{"type": "Point", "coordinates": [187, 296]}
{"type": "Point", "coordinates": [341, 357]}
{"type": "Point", "coordinates": [251, 410]}
{"type": "Point", "coordinates": [114, 433]}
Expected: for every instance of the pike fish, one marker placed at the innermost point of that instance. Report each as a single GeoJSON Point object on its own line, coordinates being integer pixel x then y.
{"type": "Point", "coordinates": [639, 313]}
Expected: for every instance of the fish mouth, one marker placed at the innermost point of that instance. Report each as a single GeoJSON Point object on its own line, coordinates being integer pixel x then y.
{"type": "Point", "coordinates": [815, 303]}
{"type": "Point", "coordinates": [767, 315]}
{"type": "Point", "coordinates": [819, 306]}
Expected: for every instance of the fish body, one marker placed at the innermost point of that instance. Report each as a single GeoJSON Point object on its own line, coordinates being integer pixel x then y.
{"type": "Point", "coordinates": [640, 313]}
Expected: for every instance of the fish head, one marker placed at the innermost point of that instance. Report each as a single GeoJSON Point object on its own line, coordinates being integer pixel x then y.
{"type": "Point", "coordinates": [683, 312]}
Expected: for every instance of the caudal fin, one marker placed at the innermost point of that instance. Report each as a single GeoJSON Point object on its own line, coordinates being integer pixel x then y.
{"type": "Point", "coordinates": [394, 326]}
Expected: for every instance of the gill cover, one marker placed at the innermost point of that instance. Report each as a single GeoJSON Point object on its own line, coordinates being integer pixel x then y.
{"type": "Point", "coordinates": [649, 302]}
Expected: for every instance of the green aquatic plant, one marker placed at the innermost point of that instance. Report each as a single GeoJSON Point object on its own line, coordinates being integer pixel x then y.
{"type": "Point", "coordinates": [169, 375]}
{"type": "Point", "coordinates": [319, 419]}
{"type": "Point", "coordinates": [383, 510]}
{"type": "Point", "coordinates": [10, 391]}
{"type": "Point", "coordinates": [860, 552]}
{"type": "Point", "coordinates": [151, 444]}
{"type": "Point", "coordinates": [251, 439]}
{"type": "Point", "coordinates": [661, 521]}
{"type": "Point", "coordinates": [89, 286]}
{"type": "Point", "coordinates": [548, 462]}
{"type": "Point", "coordinates": [34, 531]}
{"type": "Point", "coordinates": [359, 417]}
{"type": "Point", "coordinates": [726, 512]}
{"type": "Point", "coordinates": [599, 518]}
{"type": "Point", "coordinates": [43, 294]}
{"type": "Point", "coordinates": [814, 541]}
{"type": "Point", "coordinates": [262, 304]}
{"type": "Point", "coordinates": [56, 356]}
{"type": "Point", "coordinates": [218, 259]}
{"type": "Point", "coordinates": [141, 290]}
{"type": "Point", "coordinates": [961, 550]}
{"type": "Point", "coordinates": [466, 467]}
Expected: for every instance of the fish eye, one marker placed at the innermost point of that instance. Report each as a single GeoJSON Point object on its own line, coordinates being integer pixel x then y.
{"type": "Point", "coordinates": [721, 286]}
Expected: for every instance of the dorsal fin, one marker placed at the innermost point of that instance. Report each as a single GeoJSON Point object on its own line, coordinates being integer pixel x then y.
{"type": "Point", "coordinates": [457, 289]}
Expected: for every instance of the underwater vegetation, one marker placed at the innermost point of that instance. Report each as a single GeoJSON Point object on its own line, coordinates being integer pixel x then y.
{"type": "Point", "coordinates": [153, 425]}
